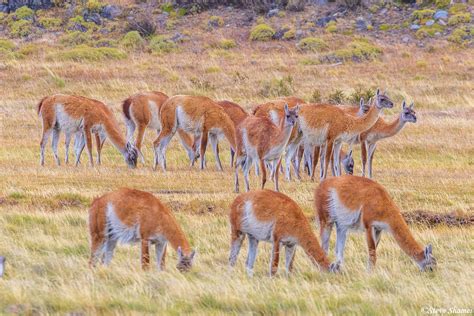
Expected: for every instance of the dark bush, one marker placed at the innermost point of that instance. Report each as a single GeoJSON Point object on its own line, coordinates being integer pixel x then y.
{"type": "Point", "coordinates": [143, 24]}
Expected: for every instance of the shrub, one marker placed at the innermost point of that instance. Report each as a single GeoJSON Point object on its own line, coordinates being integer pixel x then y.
{"type": "Point", "coordinates": [277, 87]}
{"type": "Point", "coordinates": [261, 32]}
{"type": "Point", "coordinates": [460, 35]}
{"type": "Point", "coordinates": [144, 25]}
{"type": "Point", "coordinates": [78, 23]}
{"type": "Point", "coordinates": [357, 50]}
{"type": "Point", "coordinates": [316, 96]}
{"type": "Point", "coordinates": [290, 34]}
{"type": "Point", "coordinates": [360, 93]}
{"type": "Point", "coordinates": [442, 4]}
{"type": "Point", "coordinates": [213, 69]}
{"type": "Point", "coordinates": [459, 18]}
{"type": "Point", "coordinates": [331, 27]}
{"type": "Point", "coordinates": [162, 44]}
{"type": "Point", "coordinates": [53, 24]}
{"type": "Point", "coordinates": [167, 7]}
{"type": "Point", "coordinates": [29, 49]}
{"type": "Point", "coordinates": [21, 28]}
{"type": "Point", "coordinates": [94, 6]}
{"type": "Point", "coordinates": [429, 31]}
{"type": "Point", "coordinates": [385, 27]}
{"type": "Point", "coordinates": [312, 44]}
{"type": "Point", "coordinates": [24, 13]}
{"type": "Point", "coordinates": [227, 44]}
{"type": "Point", "coordinates": [337, 97]}
{"type": "Point", "coordinates": [87, 53]}
{"type": "Point", "coordinates": [75, 38]}
{"type": "Point", "coordinates": [6, 44]}
{"type": "Point", "coordinates": [105, 42]}
{"type": "Point", "coordinates": [422, 14]}
{"type": "Point", "coordinates": [458, 8]}
{"type": "Point", "coordinates": [215, 21]}
{"type": "Point", "coordinates": [133, 40]}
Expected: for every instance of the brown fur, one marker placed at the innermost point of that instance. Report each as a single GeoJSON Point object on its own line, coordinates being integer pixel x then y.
{"type": "Point", "coordinates": [134, 207]}
{"type": "Point", "coordinates": [375, 204]}
{"type": "Point", "coordinates": [289, 222]}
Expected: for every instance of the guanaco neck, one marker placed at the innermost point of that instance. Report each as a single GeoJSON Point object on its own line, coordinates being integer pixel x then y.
{"type": "Point", "coordinates": [394, 127]}
{"type": "Point", "coordinates": [308, 241]}
{"type": "Point", "coordinates": [362, 123]}
{"type": "Point", "coordinates": [177, 239]}
{"type": "Point", "coordinates": [284, 133]}
{"type": "Point", "coordinates": [404, 237]}
{"type": "Point", "coordinates": [113, 132]}
{"type": "Point", "coordinates": [228, 127]}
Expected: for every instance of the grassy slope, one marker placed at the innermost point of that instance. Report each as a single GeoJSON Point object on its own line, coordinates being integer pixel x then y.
{"type": "Point", "coordinates": [43, 212]}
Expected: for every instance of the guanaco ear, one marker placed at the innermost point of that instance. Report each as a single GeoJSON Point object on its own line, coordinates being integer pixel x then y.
{"type": "Point", "coordinates": [286, 108]}
{"type": "Point", "coordinates": [412, 105]}
{"type": "Point", "coordinates": [428, 250]}
{"type": "Point", "coordinates": [361, 102]}
{"type": "Point", "coordinates": [404, 104]}
{"type": "Point", "coordinates": [350, 154]}
{"type": "Point", "coordinates": [192, 254]}
{"type": "Point", "coordinates": [297, 108]}
{"type": "Point", "coordinates": [378, 92]}
{"type": "Point", "coordinates": [180, 253]}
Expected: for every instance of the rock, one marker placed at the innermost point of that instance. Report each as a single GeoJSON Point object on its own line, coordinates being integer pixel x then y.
{"type": "Point", "coordinates": [406, 39]}
{"type": "Point", "coordinates": [78, 27]}
{"type": "Point", "coordinates": [272, 12]}
{"type": "Point", "coordinates": [279, 34]}
{"type": "Point", "coordinates": [299, 34]}
{"type": "Point", "coordinates": [361, 24]}
{"type": "Point", "coordinates": [442, 22]}
{"type": "Point", "coordinates": [93, 17]}
{"type": "Point", "coordinates": [321, 22]}
{"type": "Point", "coordinates": [32, 4]}
{"type": "Point", "coordinates": [383, 11]}
{"type": "Point", "coordinates": [414, 27]}
{"type": "Point", "coordinates": [3, 8]}
{"type": "Point", "coordinates": [429, 22]}
{"type": "Point", "coordinates": [441, 14]}
{"type": "Point", "coordinates": [111, 11]}
{"type": "Point", "coordinates": [437, 34]}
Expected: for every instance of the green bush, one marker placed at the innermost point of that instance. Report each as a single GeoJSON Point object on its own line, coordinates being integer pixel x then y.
{"type": "Point", "coordinates": [461, 35]}
{"type": "Point", "coordinates": [53, 24]}
{"type": "Point", "coordinates": [316, 96]}
{"type": "Point", "coordinates": [215, 21]}
{"type": "Point", "coordinates": [133, 40]}
{"type": "Point", "coordinates": [385, 27]}
{"type": "Point", "coordinates": [289, 35]}
{"type": "Point", "coordinates": [261, 32]}
{"type": "Point", "coordinates": [429, 31]}
{"type": "Point", "coordinates": [442, 4]}
{"type": "Point", "coordinates": [337, 97]}
{"type": "Point", "coordinates": [24, 13]}
{"type": "Point", "coordinates": [79, 20]}
{"type": "Point", "coordinates": [357, 50]}
{"type": "Point", "coordinates": [21, 28]}
{"type": "Point", "coordinates": [312, 44]}
{"type": "Point", "coordinates": [29, 49]}
{"type": "Point", "coordinates": [162, 44]}
{"type": "Point", "coordinates": [331, 27]}
{"type": "Point", "coordinates": [7, 44]}
{"type": "Point", "coordinates": [422, 14]}
{"type": "Point", "coordinates": [227, 44]}
{"type": "Point", "coordinates": [167, 7]}
{"type": "Point", "coordinates": [87, 53]}
{"type": "Point", "coordinates": [277, 87]}
{"type": "Point", "coordinates": [75, 38]}
{"type": "Point", "coordinates": [94, 6]}
{"type": "Point", "coordinates": [458, 8]}
{"type": "Point", "coordinates": [459, 18]}
{"type": "Point", "coordinates": [360, 93]}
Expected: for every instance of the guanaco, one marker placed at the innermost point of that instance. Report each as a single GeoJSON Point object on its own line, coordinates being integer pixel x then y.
{"type": "Point", "coordinates": [141, 111]}
{"type": "Point", "coordinates": [265, 215]}
{"type": "Point", "coordinates": [274, 110]}
{"type": "Point", "coordinates": [197, 115]}
{"type": "Point", "coordinates": [327, 125]}
{"type": "Point", "coordinates": [132, 216]}
{"type": "Point", "coordinates": [383, 129]}
{"type": "Point", "coordinates": [258, 139]}
{"type": "Point", "coordinates": [74, 114]}
{"type": "Point", "coordinates": [353, 202]}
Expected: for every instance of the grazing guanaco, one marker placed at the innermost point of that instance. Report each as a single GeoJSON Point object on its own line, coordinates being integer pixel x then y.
{"type": "Point", "coordinates": [274, 111]}
{"type": "Point", "coordinates": [353, 202]}
{"type": "Point", "coordinates": [383, 129]}
{"type": "Point", "coordinates": [131, 216]}
{"type": "Point", "coordinates": [197, 115]}
{"type": "Point", "coordinates": [141, 111]}
{"type": "Point", "coordinates": [265, 215]}
{"type": "Point", "coordinates": [325, 125]}
{"type": "Point", "coordinates": [237, 114]}
{"type": "Point", "coordinates": [259, 139]}
{"type": "Point", "coordinates": [74, 114]}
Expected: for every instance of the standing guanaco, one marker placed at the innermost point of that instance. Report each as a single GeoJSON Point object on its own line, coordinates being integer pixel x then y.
{"type": "Point", "coordinates": [353, 202]}
{"type": "Point", "coordinates": [74, 114]}
{"type": "Point", "coordinates": [131, 216]}
{"type": "Point", "coordinates": [383, 129]}
{"type": "Point", "coordinates": [197, 115]}
{"type": "Point", "coordinates": [141, 111]}
{"type": "Point", "coordinates": [326, 125]}
{"type": "Point", "coordinates": [259, 139]}
{"type": "Point", "coordinates": [265, 215]}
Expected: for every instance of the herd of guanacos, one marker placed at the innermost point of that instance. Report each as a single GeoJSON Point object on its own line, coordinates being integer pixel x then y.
{"type": "Point", "coordinates": [286, 127]}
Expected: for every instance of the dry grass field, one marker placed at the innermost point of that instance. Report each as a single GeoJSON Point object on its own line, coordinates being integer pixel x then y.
{"type": "Point", "coordinates": [43, 210]}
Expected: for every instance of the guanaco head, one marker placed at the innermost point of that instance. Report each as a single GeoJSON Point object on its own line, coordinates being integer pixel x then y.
{"type": "Point", "coordinates": [291, 116]}
{"type": "Point", "coordinates": [2, 265]}
{"type": "Point", "coordinates": [428, 263]}
{"type": "Point", "coordinates": [363, 107]}
{"type": "Point", "coordinates": [408, 114]}
{"type": "Point", "coordinates": [131, 155]}
{"type": "Point", "coordinates": [185, 262]}
{"type": "Point", "coordinates": [382, 100]}
{"type": "Point", "coordinates": [348, 163]}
